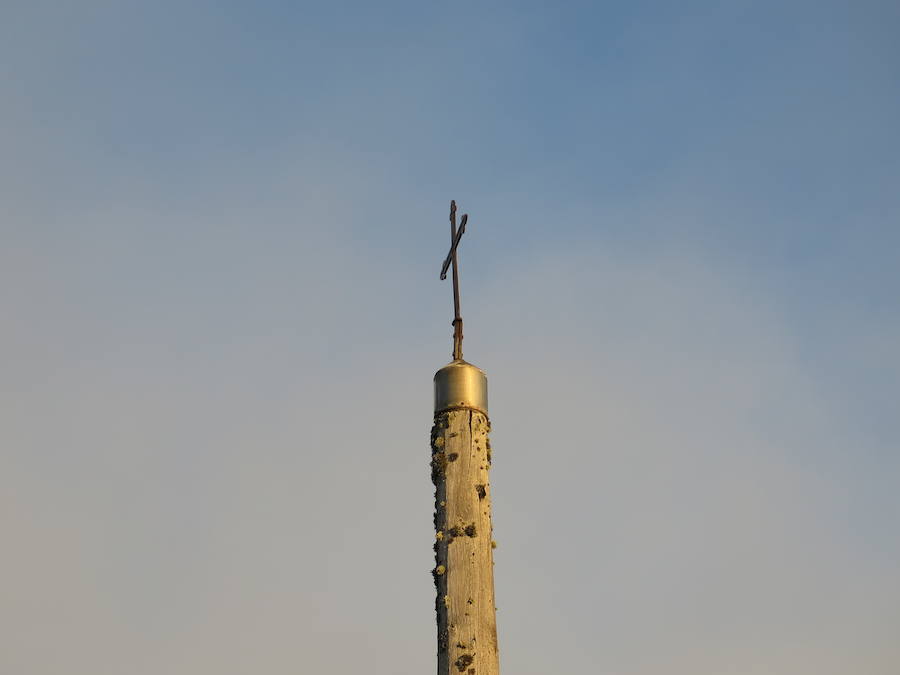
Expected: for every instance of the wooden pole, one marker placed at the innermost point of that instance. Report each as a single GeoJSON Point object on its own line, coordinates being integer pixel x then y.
{"type": "Point", "coordinates": [463, 572]}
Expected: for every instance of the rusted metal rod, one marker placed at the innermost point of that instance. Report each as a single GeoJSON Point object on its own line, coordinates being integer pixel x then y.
{"type": "Point", "coordinates": [451, 259]}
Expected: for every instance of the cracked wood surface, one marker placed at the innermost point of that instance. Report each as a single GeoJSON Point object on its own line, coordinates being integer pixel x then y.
{"type": "Point", "coordinates": [463, 573]}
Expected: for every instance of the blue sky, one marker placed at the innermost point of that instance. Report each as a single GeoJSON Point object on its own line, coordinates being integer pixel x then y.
{"type": "Point", "coordinates": [222, 229]}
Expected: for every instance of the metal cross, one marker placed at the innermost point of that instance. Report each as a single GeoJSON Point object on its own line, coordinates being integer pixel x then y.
{"type": "Point", "coordinates": [455, 236]}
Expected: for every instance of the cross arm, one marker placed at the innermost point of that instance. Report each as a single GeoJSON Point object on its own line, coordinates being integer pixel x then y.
{"type": "Point", "coordinates": [453, 245]}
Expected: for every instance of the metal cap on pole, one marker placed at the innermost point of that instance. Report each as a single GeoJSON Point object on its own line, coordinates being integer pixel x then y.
{"type": "Point", "coordinates": [459, 384]}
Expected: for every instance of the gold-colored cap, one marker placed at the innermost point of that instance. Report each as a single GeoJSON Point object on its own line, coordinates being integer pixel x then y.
{"type": "Point", "coordinates": [460, 385]}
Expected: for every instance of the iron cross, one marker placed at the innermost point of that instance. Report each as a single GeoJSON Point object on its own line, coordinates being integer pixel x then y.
{"type": "Point", "coordinates": [455, 236]}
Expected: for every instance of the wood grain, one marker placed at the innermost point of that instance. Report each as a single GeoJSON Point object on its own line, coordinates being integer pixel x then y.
{"type": "Point", "coordinates": [464, 561]}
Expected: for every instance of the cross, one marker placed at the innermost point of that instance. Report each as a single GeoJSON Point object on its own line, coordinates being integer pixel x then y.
{"type": "Point", "coordinates": [455, 236]}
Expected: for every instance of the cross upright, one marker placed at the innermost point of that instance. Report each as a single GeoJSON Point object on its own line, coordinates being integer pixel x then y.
{"type": "Point", "coordinates": [455, 237]}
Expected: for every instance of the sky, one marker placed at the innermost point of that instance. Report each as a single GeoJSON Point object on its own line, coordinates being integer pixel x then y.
{"type": "Point", "coordinates": [222, 229]}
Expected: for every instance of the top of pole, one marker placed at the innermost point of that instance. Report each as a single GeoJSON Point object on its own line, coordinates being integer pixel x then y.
{"type": "Point", "coordinates": [459, 384]}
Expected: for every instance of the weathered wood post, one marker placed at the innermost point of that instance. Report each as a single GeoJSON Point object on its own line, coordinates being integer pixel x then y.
{"type": "Point", "coordinates": [460, 461]}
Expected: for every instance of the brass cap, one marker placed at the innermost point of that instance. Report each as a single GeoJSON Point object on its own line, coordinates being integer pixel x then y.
{"type": "Point", "coordinates": [460, 385]}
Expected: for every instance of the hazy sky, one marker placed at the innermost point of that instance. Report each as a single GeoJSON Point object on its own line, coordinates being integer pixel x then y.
{"type": "Point", "coordinates": [222, 225]}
